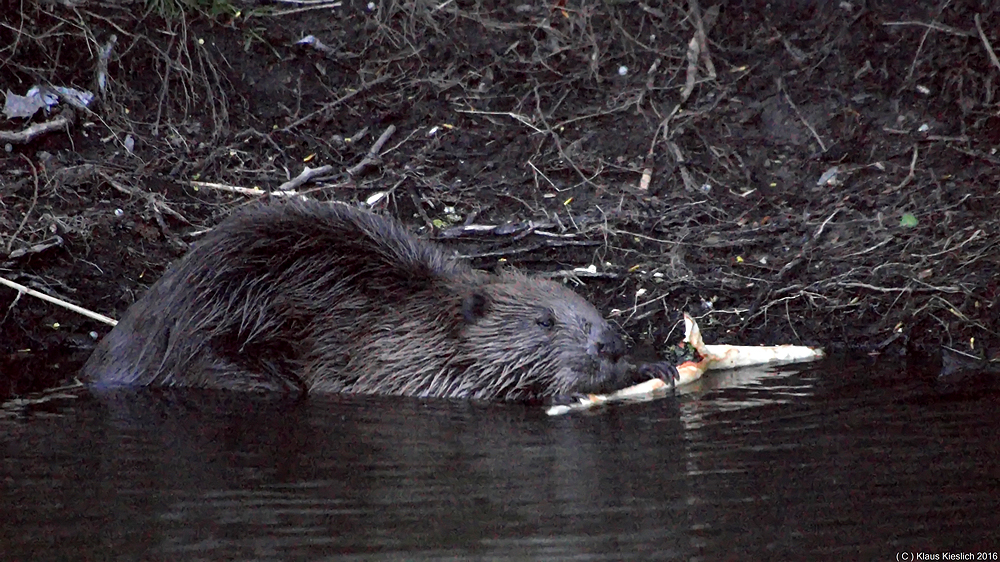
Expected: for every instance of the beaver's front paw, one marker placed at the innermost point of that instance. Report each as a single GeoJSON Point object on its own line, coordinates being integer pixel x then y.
{"type": "Point", "coordinates": [663, 370]}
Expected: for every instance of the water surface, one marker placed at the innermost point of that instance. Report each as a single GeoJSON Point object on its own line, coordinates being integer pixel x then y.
{"type": "Point", "coordinates": [840, 461]}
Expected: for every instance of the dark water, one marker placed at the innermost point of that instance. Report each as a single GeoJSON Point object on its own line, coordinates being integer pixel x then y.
{"type": "Point", "coordinates": [843, 461]}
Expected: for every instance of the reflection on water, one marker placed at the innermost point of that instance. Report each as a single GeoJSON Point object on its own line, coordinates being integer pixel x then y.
{"type": "Point", "coordinates": [841, 461]}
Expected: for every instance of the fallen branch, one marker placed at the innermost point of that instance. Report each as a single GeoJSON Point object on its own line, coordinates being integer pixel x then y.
{"type": "Point", "coordinates": [308, 174]}
{"type": "Point", "coordinates": [253, 191]}
{"type": "Point", "coordinates": [373, 152]}
{"type": "Point", "coordinates": [304, 177]}
{"type": "Point", "coordinates": [63, 121]}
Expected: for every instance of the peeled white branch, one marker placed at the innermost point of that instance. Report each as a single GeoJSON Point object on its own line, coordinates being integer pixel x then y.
{"type": "Point", "coordinates": [712, 357]}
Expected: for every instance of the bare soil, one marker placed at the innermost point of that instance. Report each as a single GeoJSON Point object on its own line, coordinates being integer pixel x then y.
{"type": "Point", "coordinates": [684, 153]}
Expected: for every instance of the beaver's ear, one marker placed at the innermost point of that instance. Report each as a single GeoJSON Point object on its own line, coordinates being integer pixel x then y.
{"type": "Point", "coordinates": [475, 305]}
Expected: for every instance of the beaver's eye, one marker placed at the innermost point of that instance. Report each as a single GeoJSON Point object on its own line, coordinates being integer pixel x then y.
{"type": "Point", "coordinates": [546, 320]}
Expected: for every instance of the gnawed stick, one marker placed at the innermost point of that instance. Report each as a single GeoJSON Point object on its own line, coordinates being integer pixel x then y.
{"type": "Point", "coordinates": [719, 356]}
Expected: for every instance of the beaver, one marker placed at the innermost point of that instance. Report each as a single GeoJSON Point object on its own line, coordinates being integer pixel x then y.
{"type": "Point", "coordinates": [306, 296]}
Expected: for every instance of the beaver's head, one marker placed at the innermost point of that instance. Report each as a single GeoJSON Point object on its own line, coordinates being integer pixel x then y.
{"type": "Point", "coordinates": [535, 339]}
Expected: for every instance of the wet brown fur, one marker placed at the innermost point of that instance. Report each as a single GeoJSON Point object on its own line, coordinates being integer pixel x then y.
{"type": "Point", "coordinates": [328, 298]}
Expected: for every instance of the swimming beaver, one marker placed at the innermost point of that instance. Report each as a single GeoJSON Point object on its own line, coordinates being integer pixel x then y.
{"type": "Point", "coordinates": [315, 297]}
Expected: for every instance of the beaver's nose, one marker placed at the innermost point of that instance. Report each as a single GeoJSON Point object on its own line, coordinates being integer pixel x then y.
{"type": "Point", "coordinates": [610, 345]}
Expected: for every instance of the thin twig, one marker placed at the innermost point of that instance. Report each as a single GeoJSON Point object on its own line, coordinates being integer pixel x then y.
{"type": "Point", "coordinates": [558, 143]}
{"type": "Point", "coordinates": [335, 103]}
{"type": "Point", "coordinates": [802, 118]}
{"type": "Point", "coordinates": [932, 25]}
{"type": "Point", "coordinates": [909, 177]}
{"type": "Point", "coordinates": [524, 120]}
{"type": "Point", "coordinates": [986, 42]}
{"type": "Point", "coordinates": [34, 201]}
{"type": "Point", "coordinates": [822, 226]}
{"type": "Point", "coordinates": [78, 309]}
{"type": "Point", "coordinates": [952, 249]}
